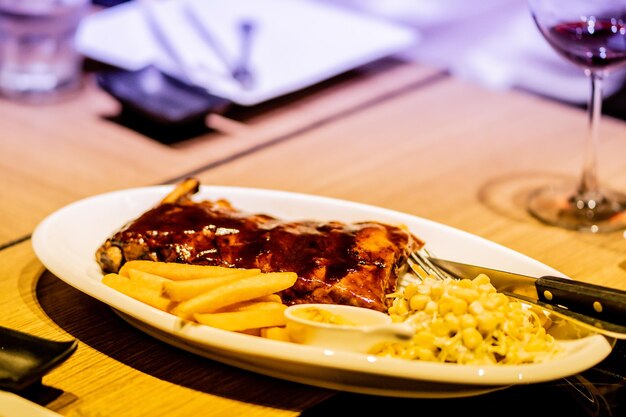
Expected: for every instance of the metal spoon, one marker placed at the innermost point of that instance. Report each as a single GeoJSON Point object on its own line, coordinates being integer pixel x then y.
{"type": "Point", "coordinates": [365, 327]}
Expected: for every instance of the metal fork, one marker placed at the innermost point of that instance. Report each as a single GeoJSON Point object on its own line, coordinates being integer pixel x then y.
{"type": "Point", "coordinates": [421, 266]}
{"type": "Point", "coordinates": [242, 72]}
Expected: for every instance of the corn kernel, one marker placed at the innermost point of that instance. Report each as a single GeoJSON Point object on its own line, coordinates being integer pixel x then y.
{"type": "Point", "coordinates": [424, 339]}
{"type": "Point", "coordinates": [439, 327]}
{"type": "Point", "coordinates": [453, 322]}
{"type": "Point", "coordinates": [431, 307]}
{"type": "Point", "coordinates": [436, 290]}
{"type": "Point", "coordinates": [487, 322]}
{"type": "Point", "coordinates": [481, 279]}
{"type": "Point", "coordinates": [468, 321]}
{"type": "Point", "coordinates": [423, 289]}
{"type": "Point", "coordinates": [410, 291]}
{"type": "Point", "coordinates": [471, 338]}
{"type": "Point", "coordinates": [465, 283]}
{"type": "Point", "coordinates": [501, 299]}
{"type": "Point", "coordinates": [402, 307]}
{"type": "Point", "coordinates": [476, 308]}
{"type": "Point", "coordinates": [486, 288]}
{"type": "Point", "coordinates": [418, 302]}
{"type": "Point", "coordinates": [425, 354]}
{"type": "Point", "coordinates": [490, 303]}
{"type": "Point", "coordinates": [459, 306]}
{"type": "Point", "coordinates": [445, 307]}
{"type": "Point", "coordinates": [500, 316]}
{"type": "Point", "coordinates": [467, 294]}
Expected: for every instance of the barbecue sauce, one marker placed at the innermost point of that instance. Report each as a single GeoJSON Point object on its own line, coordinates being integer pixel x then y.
{"type": "Point", "coordinates": [362, 256]}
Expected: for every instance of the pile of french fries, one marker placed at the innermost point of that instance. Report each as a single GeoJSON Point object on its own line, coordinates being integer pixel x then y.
{"type": "Point", "coordinates": [241, 300]}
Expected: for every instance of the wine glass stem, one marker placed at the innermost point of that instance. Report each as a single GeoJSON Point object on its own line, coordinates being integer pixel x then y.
{"type": "Point", "coordinates": [589, 187]}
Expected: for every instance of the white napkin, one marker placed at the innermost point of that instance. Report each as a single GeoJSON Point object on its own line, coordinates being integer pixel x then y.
{"type": "Point", "coordinates": [495, 43]}
{"type": "Point", "coordinates": [296, 42]}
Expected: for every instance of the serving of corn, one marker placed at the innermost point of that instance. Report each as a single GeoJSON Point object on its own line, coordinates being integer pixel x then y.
{"type": "Point", "coordinates": [467, 322]}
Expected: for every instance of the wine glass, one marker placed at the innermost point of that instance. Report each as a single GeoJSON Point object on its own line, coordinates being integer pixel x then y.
{"type": "Point", "coordinates": [592, 35]}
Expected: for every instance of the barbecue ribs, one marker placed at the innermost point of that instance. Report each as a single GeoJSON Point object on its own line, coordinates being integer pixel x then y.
{"type": "Point", "coordinates": [337, 263]}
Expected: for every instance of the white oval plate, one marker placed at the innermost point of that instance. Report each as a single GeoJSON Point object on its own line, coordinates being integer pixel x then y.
{"type": "Point", "coordinates": [66, 242]}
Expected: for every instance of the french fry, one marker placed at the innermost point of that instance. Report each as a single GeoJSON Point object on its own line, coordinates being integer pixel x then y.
{"type": "Point", "coordinates": [244, 320]}
{"type": "Point", "coordinates": [252, 305]}
{"type": "Point", "coordinates": [145, 294]}
{"type": "Point", "coordinates": [261, 303]}
{"type": "Point", "coordinates": [147, 279]}
{"type": "Point", "coordinates": [241, 300]}
{"type": "Point", "coordinates": [184, 290]}
{"type": "Point", "coordinates": [180, 272]}
{"type": "Point", "coordinates": [270, 297]}
{"type": "Point", "coordinates": [276, 333]}
{"type": "Point", "coordinates": [241, 290]}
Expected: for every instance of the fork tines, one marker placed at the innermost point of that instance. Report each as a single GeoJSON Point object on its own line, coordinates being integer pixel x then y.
{"type": "Point", "coordinates": [421, 266]}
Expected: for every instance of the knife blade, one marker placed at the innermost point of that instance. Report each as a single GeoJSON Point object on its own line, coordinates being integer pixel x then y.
{"type": "Point", "coordinates": [584, 322]}
{"type": "Point", "coordinates": [602, 303]}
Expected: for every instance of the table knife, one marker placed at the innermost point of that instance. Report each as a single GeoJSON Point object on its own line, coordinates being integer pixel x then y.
{"type": "Point", "coordinates": [601, 303]}
{"type": "Point", "coordinates": [581, 321]}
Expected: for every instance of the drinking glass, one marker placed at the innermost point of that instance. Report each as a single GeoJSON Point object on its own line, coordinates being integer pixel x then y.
{"type": "Point", "coordinates": [592, 35]}
{"type": "Point", "coordinates": [38, 59]}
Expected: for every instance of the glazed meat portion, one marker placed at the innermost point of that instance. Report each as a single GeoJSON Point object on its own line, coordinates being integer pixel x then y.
{"type": "Point", "coordinates": [340, 263]}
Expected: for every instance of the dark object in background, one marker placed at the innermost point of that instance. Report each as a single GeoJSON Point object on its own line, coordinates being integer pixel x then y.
{"type": "Point", "coordinates": [26, 359]}
{"type": "Point", "coordinates": [159, 97]}
{"type": "Point", "coordinates": [615, 105]}
{"type": "Point", "coordinates": [108, 3]}
{"type": "Point", "coordinates": [158, 105]}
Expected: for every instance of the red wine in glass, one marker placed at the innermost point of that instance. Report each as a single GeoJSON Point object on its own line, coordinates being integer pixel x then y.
{"type": "Point", "coordinates": [592, 35]}
{"type": "Point", "coordinates": [597, 44]}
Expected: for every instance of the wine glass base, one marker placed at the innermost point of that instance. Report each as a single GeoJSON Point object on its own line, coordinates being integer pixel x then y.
{"type": "Point", "coordinates": [563, 207]}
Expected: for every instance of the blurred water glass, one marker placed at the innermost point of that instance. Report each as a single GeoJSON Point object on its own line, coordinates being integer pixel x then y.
{"type": "Point", "coordinates": [38, 59]}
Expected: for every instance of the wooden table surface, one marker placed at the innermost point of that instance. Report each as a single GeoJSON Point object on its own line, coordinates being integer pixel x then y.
{"type": "Point", "coordinates": [395, 135]}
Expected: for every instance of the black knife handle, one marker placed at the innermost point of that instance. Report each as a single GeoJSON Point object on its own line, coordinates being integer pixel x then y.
{"type": "Point", "coordinates": [604, 303]}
